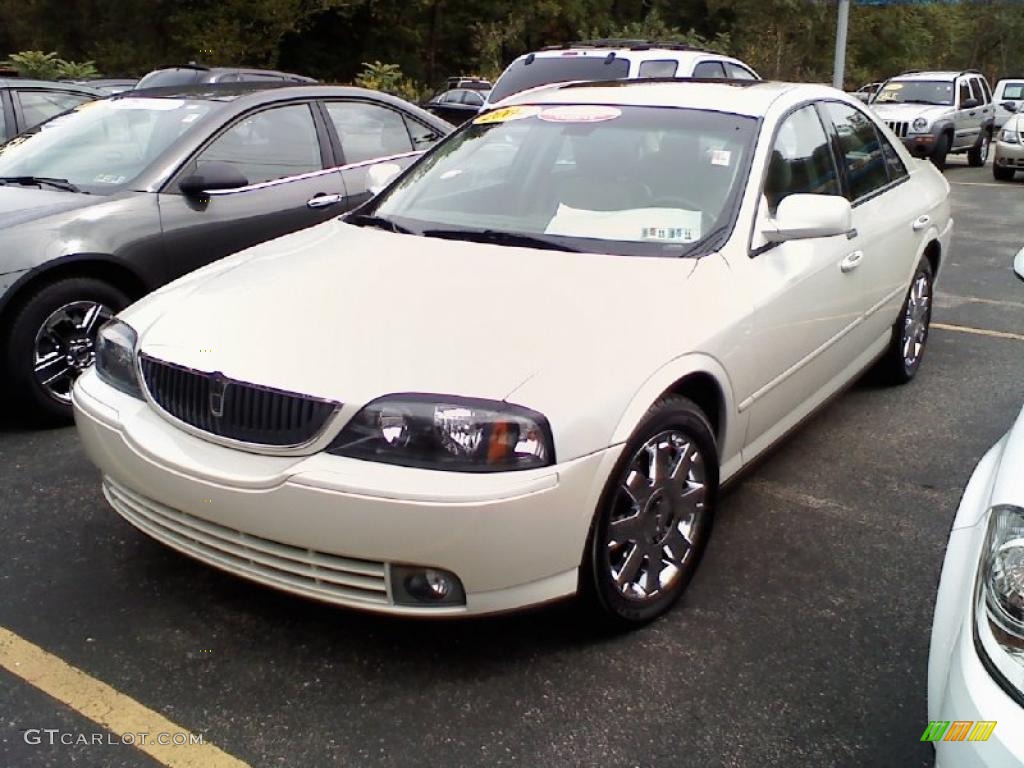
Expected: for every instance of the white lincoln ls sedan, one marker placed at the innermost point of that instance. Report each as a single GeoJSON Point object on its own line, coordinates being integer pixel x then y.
{"type": "Point", "coordinates": [976, 660]}
{"type": "Point", "coordinates": [524, 369]}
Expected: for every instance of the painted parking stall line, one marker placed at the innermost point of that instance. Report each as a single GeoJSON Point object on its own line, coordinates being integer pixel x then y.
{"type": "Point", "coordinates": [109, 708]}
{"type": "Point", "coordinates": [979, 331]}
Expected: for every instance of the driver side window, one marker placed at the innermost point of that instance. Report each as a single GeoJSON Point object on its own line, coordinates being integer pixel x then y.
{"type": "Point", "coordinates": [801, 161]}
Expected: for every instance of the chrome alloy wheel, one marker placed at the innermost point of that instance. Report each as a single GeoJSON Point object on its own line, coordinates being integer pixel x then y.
{"type": "Point", "coordinates": [66, 345]}
{"type": "Point", "coordinates": [658, 515]}
{"type": "Point", "coordinates": [986, 147]}
{"type": "Point", "coordinates": [915, 320]}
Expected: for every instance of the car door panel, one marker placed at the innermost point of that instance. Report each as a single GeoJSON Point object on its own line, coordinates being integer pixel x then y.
{"type": "Point", "coordinates": [803, 308]}
{"type": "Point", "coordinates": [270, 142]}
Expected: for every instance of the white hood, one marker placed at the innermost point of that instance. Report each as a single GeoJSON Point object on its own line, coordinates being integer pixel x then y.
{"type": "Point", "coordinates": [910, 112]}
{"type": "Point", "coordinates": [354, 313]}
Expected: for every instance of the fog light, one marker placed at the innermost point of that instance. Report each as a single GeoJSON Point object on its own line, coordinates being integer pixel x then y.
{"type": "Point", "coordinates": [411, 585]}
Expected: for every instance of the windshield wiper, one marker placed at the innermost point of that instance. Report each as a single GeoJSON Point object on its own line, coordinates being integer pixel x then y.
{"type": "Point", "coordinates": [497, 237]}
{"type": "Point", "coordinates": [39, 181]}
{"type": "Point", "coordinates": [368, 220]}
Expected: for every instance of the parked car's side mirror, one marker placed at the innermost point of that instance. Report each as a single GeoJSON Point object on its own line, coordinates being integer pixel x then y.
{"type": "Point", "coordinates": [970, 104]}
{"type": "Point", "coordinates": [1018, 264]}
{"type": "Point", "coordinates": [1009, 106]}
{"type": "Point", "coordinates": [380, 175]}
{"type": "Point", "coordinates": [802, 217]}
{"type": "Point", "coordinates": [212, 176]}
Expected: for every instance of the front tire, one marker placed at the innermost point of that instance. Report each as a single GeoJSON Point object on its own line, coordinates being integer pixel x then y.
{"type": "Point", "coordinates": [51, 340]}
{"type": "Point", "coordinates": [654, 518]}
{"type": "Point", "coordinates": [1000, 173]}
{"type": "Point", "coordinates": [941, 151]}
{"type": "Point", "coordinates": [978, 155]}
{"type": "Point", "coordinates": [902, 359]}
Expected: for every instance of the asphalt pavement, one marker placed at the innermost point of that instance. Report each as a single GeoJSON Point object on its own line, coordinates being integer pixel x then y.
{"type": "Point", "coordinates": [802, 640]}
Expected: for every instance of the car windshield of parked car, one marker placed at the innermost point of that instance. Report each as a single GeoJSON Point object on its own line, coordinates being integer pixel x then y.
{"type": "Point", "coordinates": [601, 179]}
{"type": "Point", "coordinates": [528, 73]}
{"type": "Point", "coordinates": [101, 147]}
{"type": "Point", "coordinates": [938, 92]}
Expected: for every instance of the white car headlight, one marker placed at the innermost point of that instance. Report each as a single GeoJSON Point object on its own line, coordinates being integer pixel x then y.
{"type": "Point", "coordinates": [920, 124]}
{"type": "Point", "coordinates": [1009, 135]}
{"type": "Point", "coordinates": [447, 433]}
{"type": "Point", "coordinates": [999, 610]}
{"type": "Point", "coordinates": [115, 357]}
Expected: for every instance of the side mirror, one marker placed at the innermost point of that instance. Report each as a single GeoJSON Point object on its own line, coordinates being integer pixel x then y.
{"type": "Point", "coordinates": [212, 176]}
{"type": "Point", "coordinates": [1009, 106]}
{"type": "Point", "coordinates": [1018, 264]}
{"type": "Point", "coordinates": [970, 104]}
{"type": "Point", "coordinates": [380, 175]}
{"type": "Point", "coordinates": [803, 217]}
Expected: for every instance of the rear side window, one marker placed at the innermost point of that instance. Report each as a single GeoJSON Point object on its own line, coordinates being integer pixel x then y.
{"type": "Point", "coordinates": [368, 131]}
{"type": "Point", "coordinates": [544, 70]}
{"type": "Point", "coordinates": [736, 72]}
{"type": "Point", "coordinates": [658, 69]}
{"type": "Point", "coordinates": [709, 69]}
{"type": "Point", "coordinates": [860, 148]}
{"type": "Point", "coordinates": [273, 144]}
{"type": "Point", "coordinates": [39, 106]}
{"type": "Point", "coordinates": [801, 160]}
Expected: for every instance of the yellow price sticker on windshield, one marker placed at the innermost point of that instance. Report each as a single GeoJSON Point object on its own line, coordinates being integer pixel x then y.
{"type": "Point", "coordinates": [506, 114]}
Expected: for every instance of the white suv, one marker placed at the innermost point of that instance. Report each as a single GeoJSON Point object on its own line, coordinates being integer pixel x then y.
{"type": "Point", "coordinates": [614, 60]}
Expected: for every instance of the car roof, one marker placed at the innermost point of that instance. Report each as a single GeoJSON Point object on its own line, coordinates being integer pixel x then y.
{"type": "Point", "coordinates": [934, 75]}
{"type": "Point", "coordinates": [24, 82]}
{"type": "Point", "coordinates": [680, 53]}
{"type": "Point", "coordinates": [231, 70]}
{"type": "Point", "coordinates": [750, 98]}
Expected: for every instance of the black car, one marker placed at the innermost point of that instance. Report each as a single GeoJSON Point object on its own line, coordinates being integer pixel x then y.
{"type": "Point", "coordinates": [103, 204]}
{"type": "Point", "coordinates": [458, 104]}
{"type": "Point", "coordinates": [196, 74]}
{"type": "Point", "coordinates": [25, 103]}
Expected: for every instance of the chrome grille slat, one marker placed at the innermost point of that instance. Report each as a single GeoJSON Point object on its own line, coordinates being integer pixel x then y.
{"type": "Point", "coordinates": [900, 127]}
{"type": "Point", "coordinates": [251, 414]}
{"type": "Point", "coordinates": [319, 574]}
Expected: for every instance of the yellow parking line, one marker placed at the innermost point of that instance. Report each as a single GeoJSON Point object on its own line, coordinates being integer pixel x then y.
{"type": "Point", "coordinates": [109, 708]}
{"type": "Point", "coordinates": [979, 331]}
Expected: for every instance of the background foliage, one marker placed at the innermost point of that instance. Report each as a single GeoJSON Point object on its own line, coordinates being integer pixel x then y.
{"type": "Point", "coordinates": [428, 40]}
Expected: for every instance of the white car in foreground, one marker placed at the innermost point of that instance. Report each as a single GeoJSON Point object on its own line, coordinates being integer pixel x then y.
{"type": "Point", "coordinates": [525, 368]}
{"type": "Point", "coordinates": [976, 661]}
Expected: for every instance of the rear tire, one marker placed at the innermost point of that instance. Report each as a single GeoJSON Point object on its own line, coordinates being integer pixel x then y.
{"type": "Point", "coordinates": [1002, 174]}
{"type": "Point", "coordinates": [902, 359]}
{"type": "Point", "coordinates": [978, 155]}
{"type": "Point", "coordinates": [50, 341]}
{"type": "Point", "coordinates": [652, 523]}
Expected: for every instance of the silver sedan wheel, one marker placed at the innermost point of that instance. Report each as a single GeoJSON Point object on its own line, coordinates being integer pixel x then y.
{"type": "Point", "coordinates": [658, 516]}
{"type": "Point", "coordinates": [915, 320]}
{"type": "Point", "coordinates": [66, 345]}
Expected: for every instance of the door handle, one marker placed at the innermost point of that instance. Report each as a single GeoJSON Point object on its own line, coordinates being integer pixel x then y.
{"type": "Point", "coordinates": [922, 223]}
{"type": "Point", "coordinates": [851, 262]}
{"type": "Point", "coordinates": [324, 201]}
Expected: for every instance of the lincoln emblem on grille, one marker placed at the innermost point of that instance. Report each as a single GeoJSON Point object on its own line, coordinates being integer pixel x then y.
{"type": "Point", "coordinates": [218, 386]}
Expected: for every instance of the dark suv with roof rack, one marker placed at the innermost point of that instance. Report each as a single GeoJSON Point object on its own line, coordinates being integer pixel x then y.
{"type": "Point", "coordinates": [613, 59]}
{"type": "Point", "coordinates": [104, 203]}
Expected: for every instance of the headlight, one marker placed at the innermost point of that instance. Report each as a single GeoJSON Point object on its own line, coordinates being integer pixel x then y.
{"type": "Point", "coordinates": [447, 433]}
{"type": "Point", "coordinates": [115, 357]}
{"type": "Point", "coordinates": [999, 613]}
{"type": "Point", "coordinates": [1009, 135]}
{"type": "Point", "coordinates": [920, 124]}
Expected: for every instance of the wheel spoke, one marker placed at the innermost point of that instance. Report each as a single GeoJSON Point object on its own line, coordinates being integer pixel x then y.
{"type": "Point", "coordinates": [638, 488]}
{"type": "Point", "coordinates": [630, 568]}
{"type": "Point", "coordinates": [682, 468]}
{"type": "Point", "coordinates": [677, 546]}
{"type": "Point", "coordinates": [624, 529]}
{"type": "Point", "coordinates": [51, 368]}
{"type": "Point", "coordinates": [91, 318]}
{"type": "Point", "coordinates": [693, 497]}
{"type": "Point", "coordinates": [652, 575]}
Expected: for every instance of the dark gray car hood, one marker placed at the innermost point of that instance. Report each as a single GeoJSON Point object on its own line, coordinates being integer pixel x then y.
{"type": "Point", "coordinates": [19, 205]}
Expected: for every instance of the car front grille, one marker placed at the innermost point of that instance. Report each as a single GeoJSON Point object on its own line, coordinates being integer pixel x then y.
{"type": "Point", "coordinates": [319, 575]}
{"type": "Point", "coordinates": [900, 128]}
{"type": "Point", "coordinates": [233, 409]}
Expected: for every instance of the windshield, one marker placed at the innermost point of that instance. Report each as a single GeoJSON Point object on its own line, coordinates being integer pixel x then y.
{"type": "Point", "coordinates": [541, 70]}
{"type": "Point", "coordinates": [938, 92]}
{"type": "Point", "coordinates": [599, 179]}
{"type": "Point", "coordinates": [163, 78]}
{"type": "Point", "coordinates": [101, 147]}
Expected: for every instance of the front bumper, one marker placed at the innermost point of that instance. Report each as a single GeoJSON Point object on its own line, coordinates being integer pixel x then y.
{"type": "Point", "coordinates": [331, 528]}
{"type": "Point", "coordinates": [960, 688]}
{"type": "Point", "coordinates": [922, 145]}
{"type": "Point", "coordinates": [1009, 155]}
